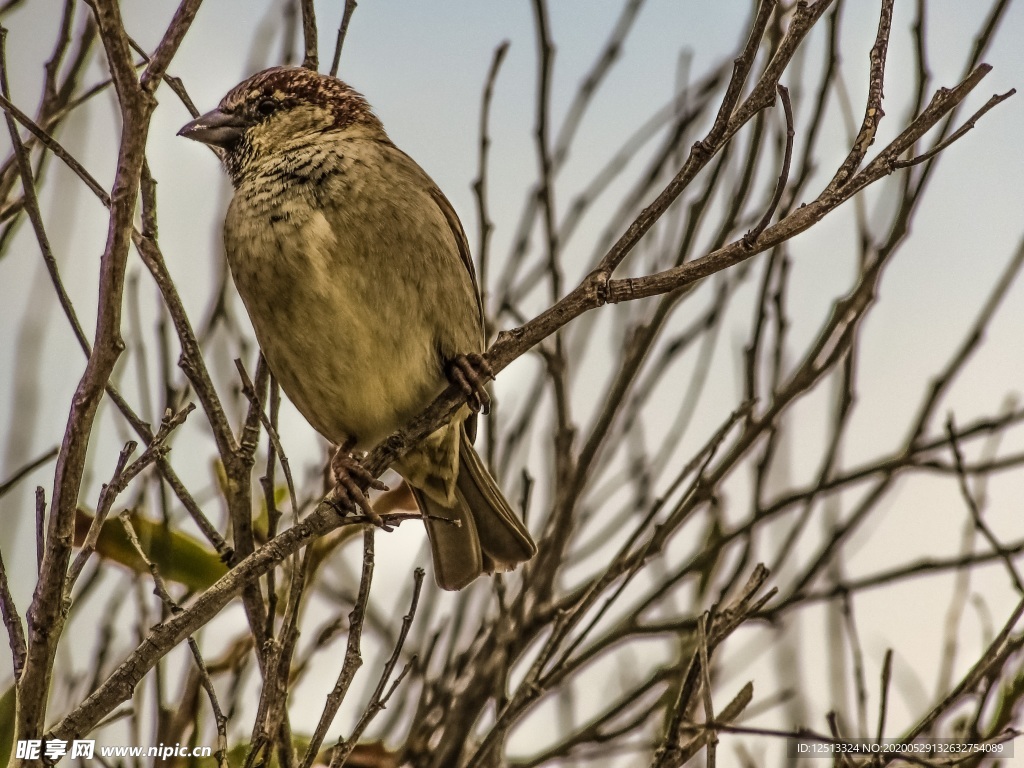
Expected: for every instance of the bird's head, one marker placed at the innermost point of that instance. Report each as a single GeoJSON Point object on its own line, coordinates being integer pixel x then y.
{"type": "Point", "coordinates": [278, 111]}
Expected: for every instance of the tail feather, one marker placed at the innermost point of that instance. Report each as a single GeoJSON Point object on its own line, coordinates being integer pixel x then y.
{"type": "Point", "coordinates": [502, 534]}
{"type": "Point", "coordinates": [454, 544]}
{"type": "Point", "coordinates": [479, 533]}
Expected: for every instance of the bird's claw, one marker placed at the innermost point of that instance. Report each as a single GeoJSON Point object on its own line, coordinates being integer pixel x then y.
{"type": "Point", "coordinates": [351, 481]}
{"type": "Point", "coordinates": [470, 373]}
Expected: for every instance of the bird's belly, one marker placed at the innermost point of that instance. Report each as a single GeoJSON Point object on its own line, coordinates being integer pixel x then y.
{"type": "Point", "coordinates": [336, 332]}
{"type": "Point", "coordinates": [345, 393]}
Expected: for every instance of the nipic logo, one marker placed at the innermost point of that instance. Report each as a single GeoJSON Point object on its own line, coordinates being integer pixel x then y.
{"type": "Point", "coordinates": [53, 750]}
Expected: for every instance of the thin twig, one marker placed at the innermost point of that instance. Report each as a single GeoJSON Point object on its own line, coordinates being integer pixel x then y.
{"type": "Point", "coordinates": [353, 656]}
{"type": "Point", "coordinates": [160, 588]}
{"type": "Point", "coordinates": [13, 622]}
{"type": "Point", "coordinates": [873, 113]}
{"type": "Point", "coordinates": [311, 58]}
{"type": "Point", "coordinates": [480, 183]}
{"type": "Point", "coordinates": [975, 510]}
{"type": "Point", "coordinates": [705, 674]}
{"type": "Point", "coordinates": [22, 472]}
{"type": "Point", "coordinates": [124, 473]}
{"type": "Point", "coordinates": [28, 184]}
{"type": "Point", "coordinates": [346, 17]}
{"type": "Point", "coordinates": [54, 146]}
{"type": "Point", "coordinates": [787, 158]}
{"type": "Point", "coordinates": [958, 133]}
{"type": "Point", "coordinates": [379, 699]}
{"type": "Point", "coordinates": [249, 390]}
{"type": "Point", "coordinates": [883, 704]}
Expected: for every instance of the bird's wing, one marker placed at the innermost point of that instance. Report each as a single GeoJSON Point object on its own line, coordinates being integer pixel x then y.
{"type": "Point", "coordinates": [460, 240]}
{"type": "Point", "coordinates": [467, 259]}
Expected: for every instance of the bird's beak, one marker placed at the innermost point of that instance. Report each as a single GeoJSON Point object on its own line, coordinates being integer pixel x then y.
{"type": "Point", "coordinates": [216, 128]}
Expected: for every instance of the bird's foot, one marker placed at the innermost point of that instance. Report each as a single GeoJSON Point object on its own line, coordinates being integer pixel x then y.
{"type": "Point", "coordinates": [351, 481]}
{"type": "Point", "coordinates": [470, 373]}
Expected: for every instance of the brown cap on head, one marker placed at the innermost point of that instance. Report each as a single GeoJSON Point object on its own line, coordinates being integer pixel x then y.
{"type": "Point", "coordinates": [255, 100]}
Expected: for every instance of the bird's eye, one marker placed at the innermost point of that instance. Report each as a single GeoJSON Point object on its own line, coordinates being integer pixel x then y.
{"type": "Point", "coordinates": [266, 107]}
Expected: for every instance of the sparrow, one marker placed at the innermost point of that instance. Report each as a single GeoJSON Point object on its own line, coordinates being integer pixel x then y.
{"type": "Point", "coordinates": [356, 274]}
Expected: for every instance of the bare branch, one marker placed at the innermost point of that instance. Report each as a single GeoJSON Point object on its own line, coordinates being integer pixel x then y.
{"type": "Point", "coordinates": [311, 58]}
{"type": "Point", "coordinates": [346, 18]}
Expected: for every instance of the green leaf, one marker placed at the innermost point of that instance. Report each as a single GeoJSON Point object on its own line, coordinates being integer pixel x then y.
{"type": "Point", "coordinates": [180, 557]}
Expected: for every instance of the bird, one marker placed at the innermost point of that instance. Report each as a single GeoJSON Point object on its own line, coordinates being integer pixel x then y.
{"type": "Point", "coordinates": [357, 277]}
